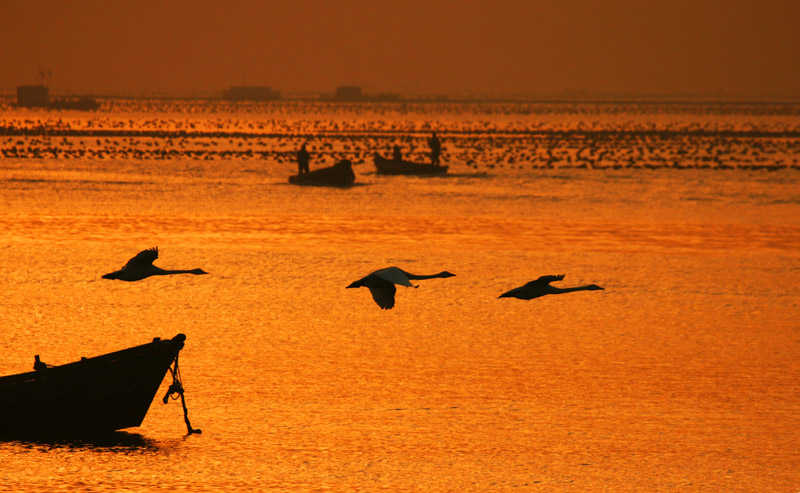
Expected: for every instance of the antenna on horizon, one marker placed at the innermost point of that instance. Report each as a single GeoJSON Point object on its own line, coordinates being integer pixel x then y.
{"type": "Point", "coordinates": [43, 74]}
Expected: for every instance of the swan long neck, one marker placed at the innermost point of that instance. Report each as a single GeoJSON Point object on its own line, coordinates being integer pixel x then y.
{"type": "Point", "coordinates": [157, 271]}
{"type": "Point", "coordinates": [590, 287]}
{"type": "Point", "coordinates": [418, 277]}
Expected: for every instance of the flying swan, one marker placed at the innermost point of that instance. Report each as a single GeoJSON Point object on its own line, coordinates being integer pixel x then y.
{"type": "Point", "coordinates": [381, 283]}
{"type": "Point", "coordinates": [541, 287]}
{"type": "Point", "coordinates": [141, 266]}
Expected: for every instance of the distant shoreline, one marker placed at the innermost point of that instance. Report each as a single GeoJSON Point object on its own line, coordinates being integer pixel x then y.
{"type": "Point", "coordinates": [326, 98]}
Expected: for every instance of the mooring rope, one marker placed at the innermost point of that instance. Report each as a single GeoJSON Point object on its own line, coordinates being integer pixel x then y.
{"type": "Point", "coordinates": [177, 388]}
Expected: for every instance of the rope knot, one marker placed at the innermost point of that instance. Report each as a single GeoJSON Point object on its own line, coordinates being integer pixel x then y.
{"type": "Point", "coordinates": [176, 387]}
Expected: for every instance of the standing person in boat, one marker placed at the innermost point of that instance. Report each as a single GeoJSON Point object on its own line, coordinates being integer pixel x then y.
{"type": "Point", "coordinates": [397, 154]}
{"type": "Point", "coordinates": [303, 157]}
{"type": "Point", "coordinates": [436, 148]}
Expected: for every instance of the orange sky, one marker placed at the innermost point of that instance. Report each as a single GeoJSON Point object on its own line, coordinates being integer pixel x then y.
{"type": "Point", "coordinates": [459, 47]}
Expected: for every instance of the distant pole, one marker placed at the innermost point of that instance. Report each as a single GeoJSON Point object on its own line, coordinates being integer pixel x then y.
{"type": "Point", "coordinates": [43, 74]}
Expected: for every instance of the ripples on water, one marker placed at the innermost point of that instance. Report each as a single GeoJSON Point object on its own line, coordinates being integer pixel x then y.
{"type": "Point", "coordinates": [681, 374]}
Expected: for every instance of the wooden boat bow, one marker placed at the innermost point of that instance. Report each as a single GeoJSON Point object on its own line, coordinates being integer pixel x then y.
{"type": "Point", "coordinates": [104, 393]}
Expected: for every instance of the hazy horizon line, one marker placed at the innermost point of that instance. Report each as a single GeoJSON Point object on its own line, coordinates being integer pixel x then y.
{"type": "Point", "coordinates": [389, 97]}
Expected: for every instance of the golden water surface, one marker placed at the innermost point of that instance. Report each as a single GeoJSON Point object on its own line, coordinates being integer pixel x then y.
{"type": "Point", "coordinates": [681, 375]}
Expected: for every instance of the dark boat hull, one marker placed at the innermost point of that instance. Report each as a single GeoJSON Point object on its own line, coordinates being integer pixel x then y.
{"type": "Point", "coordinates": [391, 167]}
{"type": "Point", "coordinates": [339, 175]}
{"type": "Point", "coordinates": [94, 395]}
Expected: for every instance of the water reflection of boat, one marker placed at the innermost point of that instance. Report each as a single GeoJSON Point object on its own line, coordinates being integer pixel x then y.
{"type": "Point", "coordinates": [403, 167]}
{"type": "Point", "coordinates": [118, 441]}
{"type": "Point", "coordinates": [339, 175]}
{"type": "Point", "coordinates": [94, 395]}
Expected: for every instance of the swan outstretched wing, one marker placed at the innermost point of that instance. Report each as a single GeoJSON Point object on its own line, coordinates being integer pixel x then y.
{"type": "Point", "coordinates": [143, 258]}
{"type": "Point", "coordinates": [383, 295]}
{"type": "Point", "coordinates": [394, 275]}
{"type": "Point", "coordinates": [547, 279]}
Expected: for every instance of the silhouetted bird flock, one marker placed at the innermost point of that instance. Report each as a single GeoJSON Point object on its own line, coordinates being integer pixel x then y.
{"type": "Point", "coordinates": [381, 283]}
{"type": "Point", "coordinates": [476, 143]}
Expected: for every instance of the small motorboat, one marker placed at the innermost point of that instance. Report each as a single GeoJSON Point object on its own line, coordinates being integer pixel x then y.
{"type": "Point", "coordinates": [339, 175]}
{"type": "Point", "coordinates": [402, 167]}
{"type": "Point", "coordinates": [94, 395]}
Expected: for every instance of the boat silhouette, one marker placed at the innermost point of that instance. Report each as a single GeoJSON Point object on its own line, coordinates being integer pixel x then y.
{"type": "Point", "coordinates": [93, 395]}
{"type": "Point", "coordinates": [339, 175]}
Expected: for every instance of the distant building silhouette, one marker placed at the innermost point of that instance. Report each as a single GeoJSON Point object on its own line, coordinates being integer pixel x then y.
{"type": "Point", "coordinates": [250, 93]}
{"type": "Point", "coordinates": [355, 93]}
{"type": "Point", "coordinates": [38, 96]}
{"type": "Point", "coordinates": [33, 96]}
{"type": "Point", "coordinates": [349, 93]}
{"type": "Point", "coordinates": [386, 97]}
